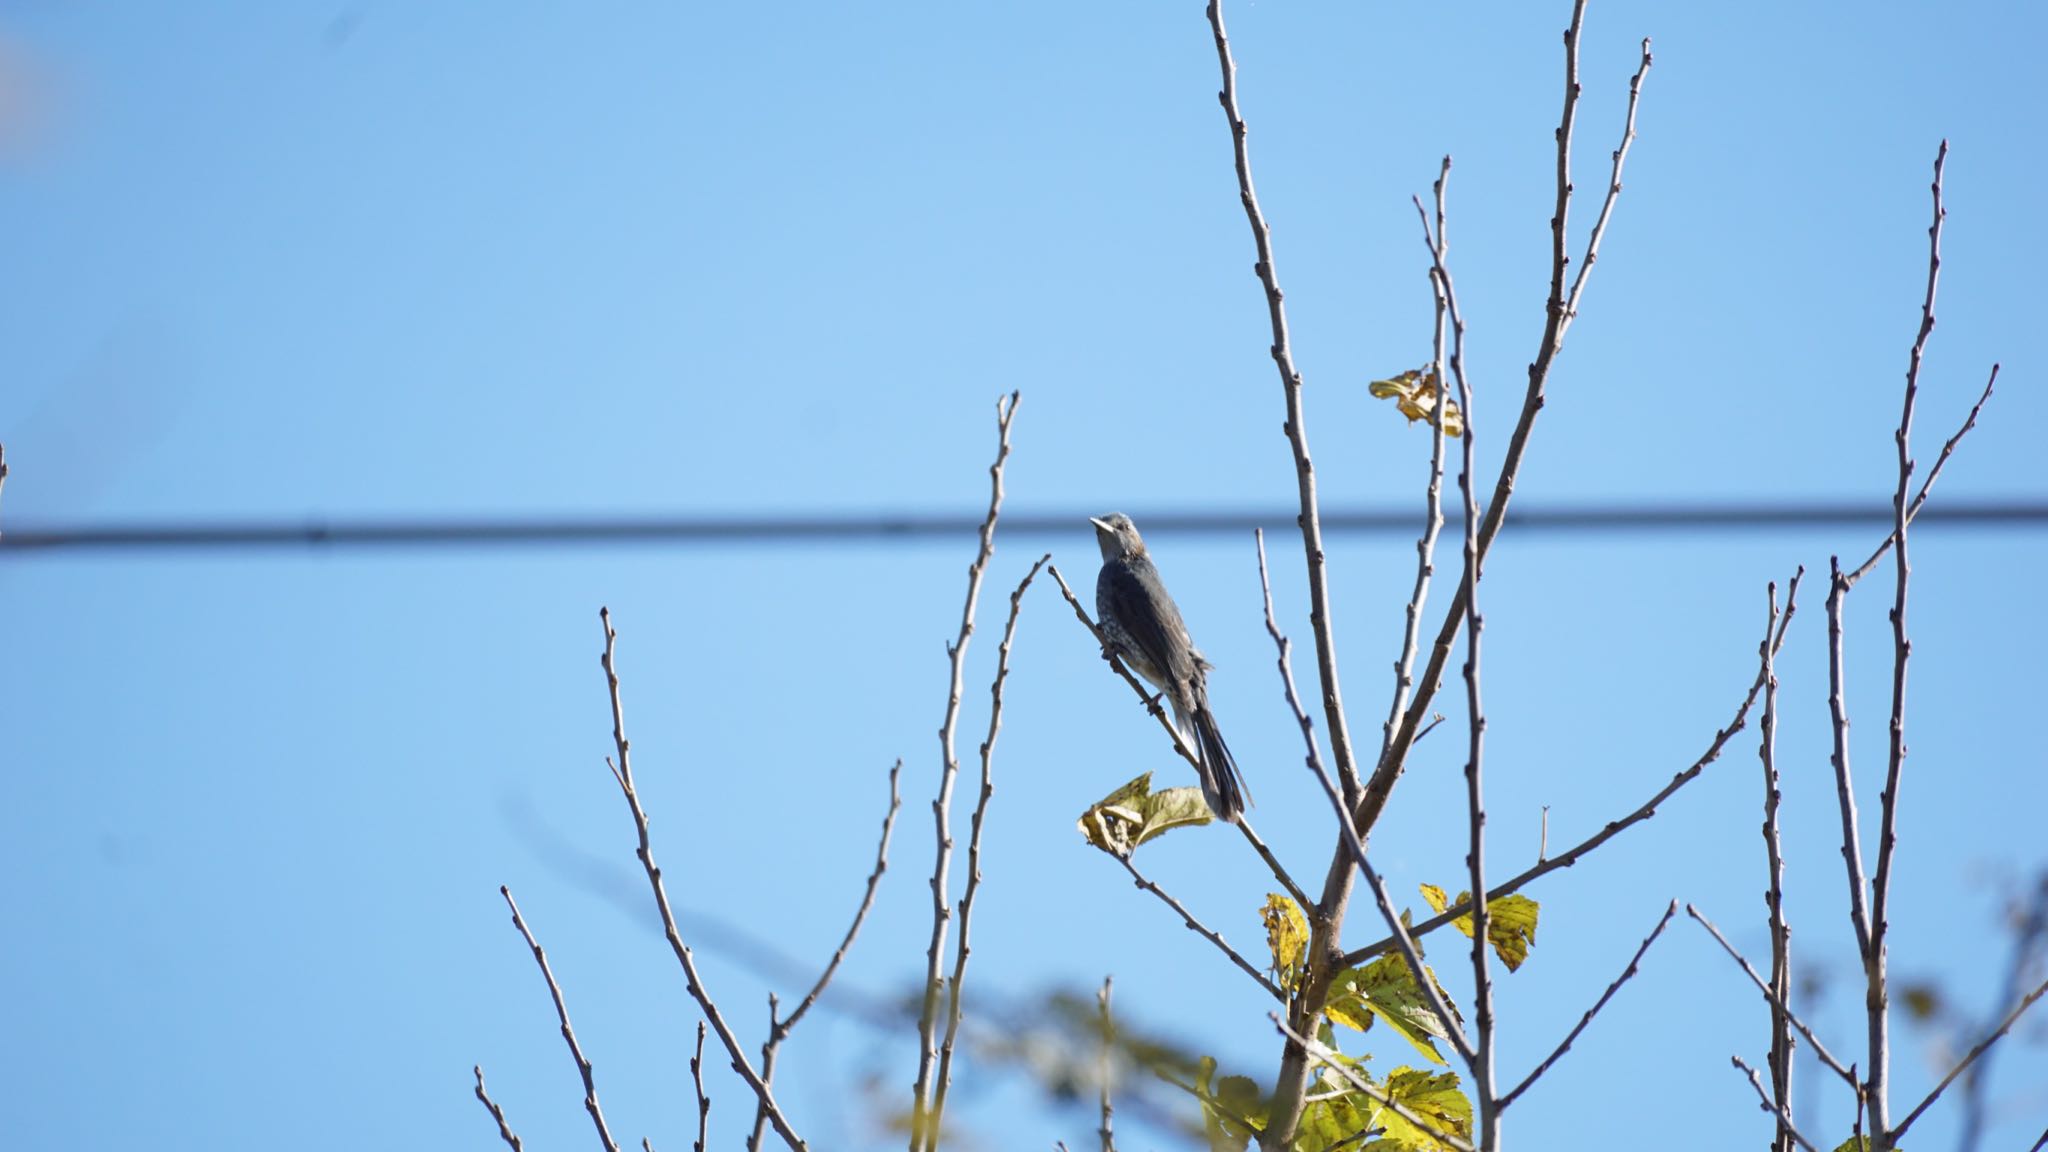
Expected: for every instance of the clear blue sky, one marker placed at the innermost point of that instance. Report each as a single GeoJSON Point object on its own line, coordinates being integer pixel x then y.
{"type": "Point", "coordinates": [295, 259]}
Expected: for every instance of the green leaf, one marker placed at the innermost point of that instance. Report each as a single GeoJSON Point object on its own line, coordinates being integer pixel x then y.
{"type": "Point", "coordinates": [1386, 990]}
{"type": "Point", "coordinates": [1510, 922]}
{"type": "Point", "coordinates": [1286, 938]}
{"type": "Point", "coordinates": [1133, 814]}
{"type": "Point", "coordinates": [1233, 1112]}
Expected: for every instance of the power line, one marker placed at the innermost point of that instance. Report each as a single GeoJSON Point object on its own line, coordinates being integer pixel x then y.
{"type": "Point", "coordinates": [406, 533]}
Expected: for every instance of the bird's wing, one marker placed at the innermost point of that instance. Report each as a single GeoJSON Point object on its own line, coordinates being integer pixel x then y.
{"type": "Point", "coordinates": [1151, 618]}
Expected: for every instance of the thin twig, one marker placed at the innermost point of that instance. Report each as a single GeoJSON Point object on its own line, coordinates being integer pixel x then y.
{"type": "Point", "coordinates": [1982, 1047]}
{"type": "Point", "coordinates": [622, 772]}
{"type": "Point", "coordinates": [924, 1119]}
{"type": "Point", "coordinates": [1920, 499]}
{"type": "Point", "coordinates": [1200, 929]}
{"type": "Point", "coordinates": [1180, 744]}
{"type": "Point", "coordinates": [780, 1028]}
{"type": "Point", "coordinates": [1108, 1129]}
{"type": "Point", "coordinates": [1784, 1119]}
{"type": "Point", "coordinates": [1432, 499]}
{"type": "Point", "coordinates": [1774, 896]}
{"type": "Point", "coordinates": [1614, 827]}
{"type": "Point", "coordinates": [1409, 951]}
{"type": "Point", "coordinates": [590, 1104]}
{"type": "Point", "coordinates": [1325, 1056]}
{"type": "Point", "coordinates": [1394, 758]}
{"type": "Point", "coordinates": [1877, 999]}
{"type": "Point", "coordinates": [1510, 1096]}
{"type": "Point", "coordinates": [963, 946]}
{"type": "Point", "coordinates": [1777, 1003]}
{"type": "Point", "coordinates": [1483, 1086]}
{"type": "Point", "coordinates": [505, 1132]}
{"type": "Point", "coordinates": [1845, 788]}
{"type": "Point", "coordinates": [703, 1101]}
{"type": "Point", "coordinates": [1628, 136]}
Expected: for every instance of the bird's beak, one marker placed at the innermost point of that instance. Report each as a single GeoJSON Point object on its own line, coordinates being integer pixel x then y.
{"type": "Point", "coordinates": [1101, 527]}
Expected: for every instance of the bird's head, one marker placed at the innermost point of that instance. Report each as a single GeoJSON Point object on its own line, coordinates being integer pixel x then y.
{"type": "Point", "coordinates": [1117, 536]}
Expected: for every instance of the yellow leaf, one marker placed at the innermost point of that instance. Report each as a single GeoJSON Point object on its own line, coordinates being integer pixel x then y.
{"type": "Point", "coordinates": [1414, 393]}
{"type": "Point", "coordinates": [1510, 922]}
{"type": "Point", "coordinates": [1286, 938]}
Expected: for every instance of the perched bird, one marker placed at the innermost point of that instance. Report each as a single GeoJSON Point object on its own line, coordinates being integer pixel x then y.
{"type": "Point", "coordinates": [1142, 626]}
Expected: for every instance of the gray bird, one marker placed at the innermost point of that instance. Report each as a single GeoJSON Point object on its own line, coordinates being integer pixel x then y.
{"type": "Point", "coordinates": [1143, 627]}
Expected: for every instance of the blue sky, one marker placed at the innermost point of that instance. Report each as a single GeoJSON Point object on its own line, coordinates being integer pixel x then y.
{"type": "Point", "coordinates": [299, 260]}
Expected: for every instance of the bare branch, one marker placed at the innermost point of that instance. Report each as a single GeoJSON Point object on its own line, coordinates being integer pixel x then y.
{"type": "Point", "coordinates": [1774, 896]}
{"type": "Point", "coordinates": [703, 1101]}
{"type": "Point", "coordinates": [1483, 1086]}
{"type": "Point", "coordinates": [1380, 787]}
{"type": "Point", "coordinates": [1628, 137]}
{"type": "Point", "coordinates": [988, 788]}
{"type": "Point", "coordinates": [1432, 499]}
{"type": "Point", "coordinates": [1296, 427]}
{"type": "Point", "coordinates": [622, 772]}
{"type": "Point", "coordinates": [1173, 733]}
{"type": "Point", "coordinates": [1565, 1046]}
{"type": "Point", "coordinates": [924, 1119]}
{"type": "Point", "coordinates": [1200, 929]}
{"type": "Point", "coordinates": [1845, 789]}
{"type": "Point", "coordinates": [1324, 1056]}
{"type": "Point", "coordinates": [590, 1104]}
{"type": "Point", "coordinates": [779, 1029]}
{"type": "Point", "coordinates": [1784, 1119]}
{"type": "Point", "coordinates": [505, 1132]}
{"type": "Point", "coordinates": [1409, 951]}
{"type": "Point", "coordinates": [1614, 827]}
{"type": "Point", "coordinates": [1982, 1047]}
{"type": "Point", "coordinates": [1877, 998]}
{"type": "Point", "coordinates": [1778, 1004]}
{"type": "Point", "coordinates": [1108, 1129]}
{"type": "Point", "coordinates": [1920, 499]}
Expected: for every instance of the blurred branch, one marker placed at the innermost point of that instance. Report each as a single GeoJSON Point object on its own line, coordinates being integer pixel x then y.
{"type": "Point", "coordinates": [590, 1104]}
{"type": "Point", "coordinates": [1108, 1129]}
{"type": "Point", "coordinates": [924, 1116]}
{"type": "Point", "coordinates": [1982, 1047]}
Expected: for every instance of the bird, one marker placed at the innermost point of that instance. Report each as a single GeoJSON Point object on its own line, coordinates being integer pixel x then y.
{"type": "Point", "coordinates": [1141, 625]}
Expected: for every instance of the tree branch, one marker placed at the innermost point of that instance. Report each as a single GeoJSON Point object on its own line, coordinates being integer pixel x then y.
{"type": "Point", "coordinates": [1614, 827]}
{"type": "Point", "coordinates": [1536, 1072]}
{"type": "Point", "coordinates": [622, 772]}
{"type": "Point", "coordinates": [779, 1029]}
{"type": "Point", "coordinates": [924, 1118]}
{"type": "Point", "coordinates": [590, 1104]}
{"type": "Point", "coordinates": [505, 1132]}
{"type": "Point", "coordinates": [1778, 1004]}
{"type": "Point", "coordinates": [988, 788]}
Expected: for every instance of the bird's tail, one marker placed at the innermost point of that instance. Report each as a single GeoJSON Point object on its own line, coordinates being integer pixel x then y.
{"type": "Point", "coordinates": [1222, 786]}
